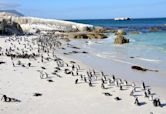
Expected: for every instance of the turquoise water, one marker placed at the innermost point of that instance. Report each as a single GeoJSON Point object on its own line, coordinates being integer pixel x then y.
{"type": "Point", "coordinates": [148, 49]}
{"type": "Point", "coordinates": [148, 45]}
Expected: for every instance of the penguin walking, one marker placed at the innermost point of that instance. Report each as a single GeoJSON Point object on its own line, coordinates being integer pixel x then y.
{"type": "Point", "coordinates": [137, 101]}
{"type": "Point", "coordinates": [76, 81]}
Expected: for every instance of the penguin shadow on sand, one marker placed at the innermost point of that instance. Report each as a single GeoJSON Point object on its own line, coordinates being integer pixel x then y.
{"type": "Point", "coordinates": [142, 103]}
{"type": "Point", "coordinates": [163, 104]}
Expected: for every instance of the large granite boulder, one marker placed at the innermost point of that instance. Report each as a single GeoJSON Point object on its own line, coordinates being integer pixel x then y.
{"type": "Point", "coordinates": [120, 39]}
{"type": "Point", "coordinates": [8, 27]}
{"type": "Point", "coordinates": [121, 32]}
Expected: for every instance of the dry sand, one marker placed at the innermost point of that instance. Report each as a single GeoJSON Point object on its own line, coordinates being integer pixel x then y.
{"type": "Point", "coordinates": [63, 96]}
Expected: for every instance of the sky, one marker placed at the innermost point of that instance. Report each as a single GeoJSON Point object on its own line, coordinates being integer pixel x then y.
{"type": "Point", "coordinates": [87, 9]}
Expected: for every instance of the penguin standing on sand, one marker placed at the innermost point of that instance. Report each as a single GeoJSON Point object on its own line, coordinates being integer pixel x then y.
{"type": "Point", "coordinates": [149, 92]}
{"type": "Point", "coordinates": [76, 81]}
{"type": "Point", "coordinates": [121, 87]}
{"type": "Point", "coordinates": [90, 84]}
{"type": "Point", "coordinates": [103, 86]}
{"type": "Point", "coordinates": [136, 101]}
{"type": "Point", "coordinates": [143, 85]}
{"type": "Point", "coordinates": [85, 80]}
{"type": "Point", "coordinates": [5, 98]}
{"type": "Point", "coordinates": [132, 93]}
{"type": "Point", "coordinates": [145, 93]}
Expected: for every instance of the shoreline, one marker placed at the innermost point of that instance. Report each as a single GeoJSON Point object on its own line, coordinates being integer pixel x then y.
{"type": "Point", "coordinates": [59, 92]}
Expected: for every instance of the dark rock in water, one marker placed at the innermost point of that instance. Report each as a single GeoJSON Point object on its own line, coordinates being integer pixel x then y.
{"type": "Point", "coordinates": [154, 29]}
{"type": "Point", "coordinates": [120, 39]}
{"type": "Point", "coordinates": [139, 68]}
{"type": "Point", "coordinates": [8, 27]}
{"type": "Point", "coordinates": [135, 32]}
{"type": "Point", "coordinates": [142, 69]}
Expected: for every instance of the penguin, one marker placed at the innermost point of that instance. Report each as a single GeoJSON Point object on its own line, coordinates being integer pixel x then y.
{"type": "Point", "coordinates": [132, 93]}
{"type": "Point", "coordinates": [146, 95]}
{"type": "Point", "coordinates": [103, 86]}
{"type": "Point", "coordinates": [90, 84]}
{"type": "Point", "coordinates": [143, 85]}
{"type": "Point", "coordinates": [137, 101]}
{"type": "Point", "coordinates": [149, 92]}
{"type": "Point", "coordinates": [76, 81]}
{"type": "Point", "coordinates": [121, 87]}
{"type": "Point", "coordinates": [85, 80]}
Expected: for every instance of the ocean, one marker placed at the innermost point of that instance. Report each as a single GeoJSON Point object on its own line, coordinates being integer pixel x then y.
{"type": "Point", "coordinates": [133, 24]}
{"type": "Point", "coordinates": [147, 49]}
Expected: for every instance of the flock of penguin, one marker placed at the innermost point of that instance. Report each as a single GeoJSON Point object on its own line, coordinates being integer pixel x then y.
{"type": "Point", "coordinates": [44, 48]}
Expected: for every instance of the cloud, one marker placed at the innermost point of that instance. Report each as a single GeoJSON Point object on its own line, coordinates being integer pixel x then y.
{"type": "Point", "coordinates": [4, 5]}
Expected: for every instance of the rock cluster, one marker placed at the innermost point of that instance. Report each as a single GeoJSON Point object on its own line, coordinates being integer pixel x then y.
{"type": "Point", "coordinates": [8, 27]}
{"type": "Point", "coordinates": [120, 32]}
{"type": "Point", "coordinates": [87, 35]}
{"type": "Point", "coordinates": [154, 29]}
{"type": "Point", "coordinates": [120, 39]}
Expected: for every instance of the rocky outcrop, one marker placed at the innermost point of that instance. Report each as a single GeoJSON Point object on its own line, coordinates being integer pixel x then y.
{"type": "Point", "coordinates": [120, 39]}
{"type": "Point", "coordinates": [154, 29]}
{"type": "Point", "coordinates": [120, 32]}
{"type": "Point", "coordinates": [8, 27]}
{"type": "Point", "coordinates": [32, 24]}
{"type": "Point", "coordinates": [87, 35]}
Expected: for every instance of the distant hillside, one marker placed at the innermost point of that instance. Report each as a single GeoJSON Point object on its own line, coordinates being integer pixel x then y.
{"type": "Point", "coordinates": [13, 12]}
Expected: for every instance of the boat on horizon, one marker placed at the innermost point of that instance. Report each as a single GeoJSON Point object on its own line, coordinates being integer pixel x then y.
{"type": "Point", "coordinates": [122, 19]}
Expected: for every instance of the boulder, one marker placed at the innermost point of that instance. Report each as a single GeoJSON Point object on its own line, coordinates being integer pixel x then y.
{"type": "Point", "coordinates": [121, 32]}
{"type": "Point", "coordinates": [8, 27]}
{"type": "Point", "coordinates": [87, 35]}
{"type": "Point", "coordinates": [120, 39]}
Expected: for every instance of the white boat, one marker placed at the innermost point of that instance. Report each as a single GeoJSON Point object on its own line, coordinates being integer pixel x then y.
{"type": "Point", "coordinates": [122, 19]}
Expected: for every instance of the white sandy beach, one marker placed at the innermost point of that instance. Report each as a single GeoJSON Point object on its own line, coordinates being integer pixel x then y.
{"type": "Point", "coordinates": [63, 96]}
